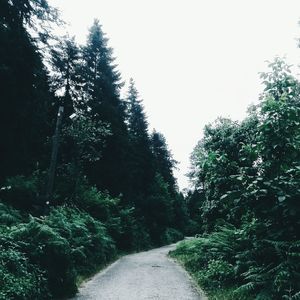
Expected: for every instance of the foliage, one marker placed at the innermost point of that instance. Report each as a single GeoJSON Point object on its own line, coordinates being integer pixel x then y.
{"type": "Point", "coordinates": [25, 96]}
{"type": "Point", "coordinates": [9, 216]}
{"type": "Point", "coordinates": [82, 144]}
{"type": "Point", "coordinates": [50, 252]}
{"type": "Point", "coordinates": [24, 192]}
{"type": "Point", "coordinates": [235, 259]}
{"type": "Point", "coordinates": [102, 101]}
{"type": "Point", "coordinates": [114, 188]}
{"type": "Point", "coordinates": [163, 160]}
{"type": "Point", "coordinates": [247, 175]}
{"type": "Point", "coordinates": [172, 235]}
{"type": "Point", "coordinates": [88, 240]}
{"type": "Point", "coordinates": [140, 160]}
{"type": "Point", "coordinates": [65, 61]}
{"type": "Point", "coordinates": [130, 233]}
{"type": "Point", "coordinates": [44, 256]}
{"type": "Point", "coordinates": [19, 279]}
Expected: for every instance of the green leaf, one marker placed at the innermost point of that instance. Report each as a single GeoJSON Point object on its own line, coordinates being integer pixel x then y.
{"type": "Point", "coordinates": [224, 196]}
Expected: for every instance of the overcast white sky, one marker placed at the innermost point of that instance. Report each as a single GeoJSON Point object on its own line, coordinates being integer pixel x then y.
{"type": "Point", "coordinates": [192, 60]}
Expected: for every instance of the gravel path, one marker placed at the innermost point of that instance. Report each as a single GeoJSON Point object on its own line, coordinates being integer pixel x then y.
{"type": "Point", "coordinates": [145, 275]}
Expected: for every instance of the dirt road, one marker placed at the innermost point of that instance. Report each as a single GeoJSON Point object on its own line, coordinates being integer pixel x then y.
{"type": "Point", "coordinates": [145, 275]}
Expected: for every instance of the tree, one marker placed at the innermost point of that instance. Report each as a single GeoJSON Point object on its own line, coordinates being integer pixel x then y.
{"type": "Point", "coordinates": [102, 96]}
{"type": "Point", "coordinates": [249, 175]}
{"type": "Point", "coordinates": [25, 98]}
{"type": "Point", "coordinates": [82, 143]}
{"type": "Point", "coordinates": [137, 123]}
{"type": "Point", "coordinates": [28, 12]}
{"type": "Point", "coordinates": [65, 61]}
{"type": "Point", "coordinates": [163, 161]}
{"type": "Point", "coordinates": [141, 169]}
{"type": "Point", "coordinates": [158, 211]}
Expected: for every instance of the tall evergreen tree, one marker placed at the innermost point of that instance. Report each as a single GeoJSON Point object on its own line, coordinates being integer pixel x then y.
{"type": "Point", "coordinates": [25, 98]}
{"type": "Point", "coordinates": [164, 163]}
{"type": "Point", "coordinates": [65, 61]}
{"type": "Point", "coordinates": [141, 169]}
{"type": "Point", "coordinates": [102, 95]}
{"type": "Point", "coordinates": [137, 123]}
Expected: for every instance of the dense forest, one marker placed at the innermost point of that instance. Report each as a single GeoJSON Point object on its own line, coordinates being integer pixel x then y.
{"type": "Point", "coordinates": [246, 198]}
{"type": "Point", "coordinates": [82, 179]}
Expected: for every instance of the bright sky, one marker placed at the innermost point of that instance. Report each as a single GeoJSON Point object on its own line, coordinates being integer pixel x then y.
{"type": "Point", "coordinates": [192, 60]}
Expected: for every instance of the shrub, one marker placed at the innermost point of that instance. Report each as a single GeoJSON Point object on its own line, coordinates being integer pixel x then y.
{"type": "Point", "coordinates": [8, 215]}
{"type": "Point", "coordinates": [43, 257]}
{"type": "Point", "coordinates": [23, 192]}
{"type": "Point", "coordinates": [19, 279]}
{"type": "Point", "coordinates": [130, 234]}
{"type": "Point", "coordinates": [50, 252]}
{"type": "Point", "coordinates": [171, 235]}
{"type": "Point", "coordinates": [88, 240]}
{"type": "Point", "coordinates": [244, 261]}
{"type": "Point", "coordinates": [218, 274]}
{"type": "Point", "coordinates": [121, 223]}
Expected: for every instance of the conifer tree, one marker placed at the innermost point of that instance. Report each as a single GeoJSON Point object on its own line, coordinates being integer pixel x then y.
{"type": "Point", "coordinates": [102, 95]}
{"type": "Point", "coordinates": [25, 99]}
{"type": "Point", "coordinates": [65, 61]}
{"type": "Point", "coordinates": [137, 123]}
{"type": "Point", "coordinates": [141, 169]}
{"type": "Point", "coordinates": [164, 163]}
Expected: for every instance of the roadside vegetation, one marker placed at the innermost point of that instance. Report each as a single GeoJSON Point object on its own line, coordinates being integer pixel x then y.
{"type": "Point", "coordinates": [246, 199]}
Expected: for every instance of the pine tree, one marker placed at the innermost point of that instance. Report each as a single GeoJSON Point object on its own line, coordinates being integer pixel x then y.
{"type": "Point", "coordinates": [158, 210]}
{"type": "Point", "coordinates": [66, 80]}
{"type": "Point", "coordinates": [25, 98]}
{"type": "Point", "coordinates": [137, 123]}
{"type": "Point", "coordinates": [102, 95]}
{"type": "Point", "coordinates": [164, 163]}
{"type": "Point", "coordinates": [141, 169]}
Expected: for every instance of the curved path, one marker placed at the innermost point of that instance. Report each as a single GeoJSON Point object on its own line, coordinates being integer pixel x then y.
{"type": "Point", "coordinates": [145, 275]}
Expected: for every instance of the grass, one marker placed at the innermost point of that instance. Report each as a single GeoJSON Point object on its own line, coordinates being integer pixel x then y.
{"type": "Point", "coordinates": [225, 294]}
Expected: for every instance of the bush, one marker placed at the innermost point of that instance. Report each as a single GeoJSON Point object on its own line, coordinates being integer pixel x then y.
{"type": "Point", "coordinates": [192, 228]}
{"type": "Point", "coordinates": [9, 216]}
{"type": "Point", "coordinates": [50, 252]}
{"type": "Point", "coordinates": [244, 262]}
{"type": "Point", "coordinates": [218, 274]}
{"type": "Point", "coordinates": [23, 192]}
{"type": "Point", "coordinates": [121, 223]}
{"type": "Point", "coordinates": [130, 234]}
{"type": "Point", "coordinates": [19, 279]}
{"type": "Point", "coordinates": [171, 235]}
{"type": "Point", "coordinates": [88, 240]}
{"type": "Point", "coordinates": [100, 205]}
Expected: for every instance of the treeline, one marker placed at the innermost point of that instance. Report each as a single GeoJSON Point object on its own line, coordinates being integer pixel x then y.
{"type": "Point", "coordinates": [246, 198]}
{"type": "Point", "coordinates": [114, 187]}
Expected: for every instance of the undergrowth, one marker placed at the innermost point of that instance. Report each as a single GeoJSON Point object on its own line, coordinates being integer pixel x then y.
{"type": "Point", "coordinates": [233, 263]}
